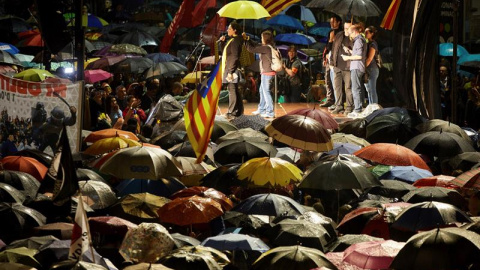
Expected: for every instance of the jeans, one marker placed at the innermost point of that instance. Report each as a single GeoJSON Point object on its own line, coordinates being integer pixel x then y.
{"type": "Point", "coordinates": [357, 81]}
{"type": "Point", "coordinates": [266, 102]}
{"type": "Point", "coordinates": [371, 86]}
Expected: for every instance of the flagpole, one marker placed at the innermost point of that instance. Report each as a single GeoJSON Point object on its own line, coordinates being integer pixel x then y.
{"type": "Point", "coordinates": [80, 201]}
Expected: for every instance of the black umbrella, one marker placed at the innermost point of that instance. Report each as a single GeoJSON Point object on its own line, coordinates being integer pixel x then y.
{"type": "Point", "coordinates": [254, 122]}
{"type": "Point", "coordinates": [391, 189]}
{"type": "Point", "coordinates": [84, 174]}
{"type": "Point", "coordinates": [447, 248]}
{"type": "Point", "coordinates": [357, 127]}
{"type": "Point", "coordinates": [324, 157]}
{"type": "Point", "coordinates": [239, 151]}
{"type": "Point", "coordinates": [391, 128]}
{"type": "Point", "coordinates": [138, 38]}
{"type": "Point", "coordinates": [438, 194]}
{"type": "Point", "coordinates": [132, 65]}
{"type": "Point", "coordinates": [17, 220]}
{"type": "Point", "coordinates": [439, 144]}
{"type": "Point", "coordinates": [464, 161]}
{"type": "Point", "coordinates": [317, 218]}
{"type": "Point", "coordinates": [223, 178]}
{"type": "Point", "coordinates": [269, 204]}
{"type": "Point", "coordinates": [24, 182]}
{"type": "Point", "coordinates": [344, 241]}
{"type": "Point", "coordinates": [197, 257]}
{"type": "Point", "coordinates": [337, 175]}
{"type": "Point", "coordinates": [43, 157]}
{"type": "Point", "coordinates": [414, 116]}
{"type": "Point", "coordinates": [183, 240]}
{"type": "Point", "coordinates": [361, 8]}
{"type": "Point", "coordinates": [162, 69]}
{"type": "Point", "coordinates": [169, 139]}
{"type": "Point", "coordinates": [34, 242]}
{"type": "Point", "coordinates": [427, 215]}
{"type": "Point", "coordinates": [13, 24]}
{"type": "Point", "coordinates": [293, 232]}
{"type": "Point", "coordinates": [221, 128]}
{"type": "Point", "coordinates": [10, 194]}
{"type": "Point", "coordinates": [442, 125]}
{"type": "Point", "coordinates": [292, 258]}
{"type": "Point", "coordinates": [237, 219]}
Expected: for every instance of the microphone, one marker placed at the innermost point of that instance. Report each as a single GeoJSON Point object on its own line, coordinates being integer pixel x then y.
{"type": "Point", "coordinates": [222, 35]}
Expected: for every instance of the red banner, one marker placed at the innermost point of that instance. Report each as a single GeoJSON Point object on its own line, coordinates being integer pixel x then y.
{"type": "Point", "coordinates": [213, 30]}
{"type": "Point", "coordinates": [173, 27]}
{"type": "Point", "coordinates": [201, 10]}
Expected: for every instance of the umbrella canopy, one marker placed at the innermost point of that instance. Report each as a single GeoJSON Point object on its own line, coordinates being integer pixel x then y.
{"type": "Point", "coordinates": [140, 207]}
{"type": "Point", "coordinates": [96, 75]}
{"type": "Point", "coordinates": [469, 179]}
{"type": "Point", "coordinates": [132, 65]}
{"type": "Point", "coordinates": [436, 181]}
{"type": "Point", "coordinates": [193, 171]}
{"type": "Point", "coordinates": [438, 194]}
{"type": "Point", "coordinates": [18, 219]}
{"type": "Point", "coordinates": [427, 215]}
{"type": "Point", "coordinates": [146, 243]}
{"type": "Point", "coordinates": [338, 174]}
{"type": "Point", "coordinates": [255, 122]}
{"type": "Point", "coordinates": [286, 21]}
{"type": "Point", "coordinates": [292, 258]}
{"type": "Point", "coordinates": [34, 242]}
{"type": "Point", "coordinates": [197, 257]}
{"type": "Point", "coordinates": [391, 128]}
{"type": "Point", "coordinates": [295, 38]}
{"type": "Point", "coordinates": [414, 115]}
{"type": "Point", "coordinates": [23, 182]}
{"type": "Point", "coordinates": [98, 192]}
{"type": "Point", "coordinates": [349, 138]}
{"type": "Point", "coordinates": [34, 75]}
{"type": "Point", "coordinates": [163, 69]}
{"type": "Point", "coordinates": [109, 133]}
{"type": "Point", "coordinates": [163, 57]}
{"type": "Point", "coordinates": [106, 145]}
{"type": "Point", "coordinates": [321, 116]}
{"type": "Point", "coordinates": [270, 172]}
{"type": "Point", "coordinates": [170, 138]}
{"type": "Point", "coordinates": [127, 49]}
{"type": "Point", "coordinates": [301, 132]}
{"type": "Point", "coordinates": [110, 225]}
{"type": "Point", "coordinates": [205, 192]}
{"type": "Point", "coordinates": [290, 232]}
{"type": "Point", "coordinates": [346, 240]}
{"type": "Point", "coordinates": [163, 187]}
{"type": "Point", "coordinates": [10, 194]}
{"type": "Point", "coordinates": [238, 151]}
{"type": "Point", "coordinates": [269, 204]}
{"type": "Point", "coordinates": [8, 58]}
{"type": "Point", "coordinates": [243, 10]}
{"type": "Point", "coordinates": [343, 148]}
{"type": "Point", "coordinates": [391, 189]}
{"type": "Point", "coordinates": [61, 230]}
{"type": "Point", "coordinates": [105, 63]}
{"type": "Point", "coordinates": [25, 164]}
{"type": "Point", "coordinates": [195, 77]}
{"type": "Point", "coordinates": [190, 210]}
{"type": "Point", "coordinates": [233, 241]}
{"type": "Point", "coordinates": [183, 240]}
{"type": "Point", "coordinates": [373, 255]}
{"type": "Point", "coordinates": [301, 12]}
{"type": "Point", "coordinates": [446, 248]}
{"type": "Point", "coordinates": [13, 24]}
{"type": "Point", "coordinates": [236, 219]}
{"type": "Point", "coordinates": [446, 49]}
{"type": "Point", "coordinates": [407, 174]}
{"type": "Point", "coordinates": [439, 144]}
{"type": "Point", "coordinates": [442, 125]}
{"type": "Point", "coordinates": [223, 178]}
{"type": "Point", "coordinates": [21, 255]}
{"type": "Point", "coordinates": [464, 161]}
{"type": "Point", "coordinates": [147, 266]}
{"type": "Point", "coordinates": [361, 8]}
{"type": "Point", "coordinates": [138, 38]}
{"type": "Point", "coordinates": [88, 174]}
{"type": "Point", "coordinates": [356, 127]}
{"type": "Point", "coordinates": [144, 163]}
{"type": "Point", "coordinates": [242, 134]}
{"type": "Point", "coordinates": [221, 128]}
{"type": "Point", "coordinates": [391, 154]}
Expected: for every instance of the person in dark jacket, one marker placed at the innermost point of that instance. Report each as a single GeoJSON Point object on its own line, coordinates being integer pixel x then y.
{"type": "Point", "coordinates": [51, 129]}
{"type": "Point", "coordinates": [231, 74]}
{"type": "Point", "coordinates": [265, 107]}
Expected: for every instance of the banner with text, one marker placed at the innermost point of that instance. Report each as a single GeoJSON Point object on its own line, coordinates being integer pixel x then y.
{"type": "Point", "coordinates": [19, 99]}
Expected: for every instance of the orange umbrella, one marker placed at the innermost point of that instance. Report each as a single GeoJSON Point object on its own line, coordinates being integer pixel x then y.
{"type": "Point", "coordinates": [109, 133]}
{"type": "Point", "coordinates": [109, 144]}
{"type": "Point", "coordinates": [190, 210]}
{"type": "Point", "coordinates": [205, 192]}
{"type": "Point", "coordinates": [25, 164]}
{"type": "Point", "coordinates": [391, 154]}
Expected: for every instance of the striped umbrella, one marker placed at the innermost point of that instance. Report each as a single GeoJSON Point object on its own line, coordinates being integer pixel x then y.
{"type": "Point", "coordinates": [469, 179]}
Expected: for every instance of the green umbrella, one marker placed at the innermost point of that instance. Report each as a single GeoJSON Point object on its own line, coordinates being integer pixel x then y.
{"type": "Point", "coordinates": [391, 128]}
{"type": "Point", "coordinates": [34, 75]}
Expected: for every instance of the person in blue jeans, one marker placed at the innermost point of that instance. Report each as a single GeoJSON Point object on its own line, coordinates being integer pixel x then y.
{"type": "Point", "coordinates": [265, 107]}
{"type": "Point", "coordinates": [357, 68]}
{"type": "Point", "coordinates": [372, 66]}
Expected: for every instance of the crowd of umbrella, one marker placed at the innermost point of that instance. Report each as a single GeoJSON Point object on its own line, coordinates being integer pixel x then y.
{"type": "Point", "coordinates": [143, 199]}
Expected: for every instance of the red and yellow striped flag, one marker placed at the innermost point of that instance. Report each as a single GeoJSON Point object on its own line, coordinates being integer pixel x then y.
{"type": "Point", "coordinates": [200, 110]}
{"type": "Point", "coordinates": [276, 6]}
{"type": "Point", "coordinates": [391, 14]}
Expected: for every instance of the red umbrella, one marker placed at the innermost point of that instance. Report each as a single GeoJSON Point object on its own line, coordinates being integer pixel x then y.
{"type": "Point", "coordinates": [96, 75]}
{"type": "Point", "coordinates": [436, 181]}
{"type": "Point", "coordinates": [468, 179]}
{"type": "Point", "coordinates": [372, 255]}
{"type": "Point", "coordinates": [110, 225]}
{"type": "Point", "coordinates": [25, 164]}
{"type": "Point", "coordinates": [30, 38]}
{"type": "Point", "coordinates": [205, 192]}
{"type": "Point", "coordinates": [321, 116]}
{"type": "Point", "coordinates": [190, 210]}
{"type": "Point", "coordinates": [391, 154]}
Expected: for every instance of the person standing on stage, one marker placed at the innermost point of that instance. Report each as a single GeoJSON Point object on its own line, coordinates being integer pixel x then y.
{"type": "Point", "coordinates": [231, 64]}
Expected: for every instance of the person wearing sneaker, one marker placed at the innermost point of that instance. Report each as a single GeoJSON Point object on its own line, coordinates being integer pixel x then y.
{"type": "Point", "coordinates": [265, 107]}
{"type": "Point", "coordinates": [335, 23]}
{"type": "Point", "coordinates": [357, 66]}
{"type": "Point", "coordinates": [341, 71]}
{"type": "Point", "coordinates": [372, 65]}
{"type": "Point", "coordinates": [231, 63]}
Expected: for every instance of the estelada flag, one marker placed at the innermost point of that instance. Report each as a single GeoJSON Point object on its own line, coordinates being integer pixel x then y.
{"type": "Point", "coordinates": [276, 6]}
{"type": "Point", "coordinates": [391, 15]}
{"type": "Point", "coordinates": [200, 110]}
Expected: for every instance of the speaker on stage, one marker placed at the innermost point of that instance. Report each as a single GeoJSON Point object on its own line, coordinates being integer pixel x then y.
{"type": "Point", "coordinates": [52, 24]}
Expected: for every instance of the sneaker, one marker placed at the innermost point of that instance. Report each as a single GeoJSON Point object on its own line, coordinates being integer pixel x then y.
{"type": "Point", "coordinates": [331, 108]}
{"type": "Point", "coordinates": [347, 111]}
{"type": "Point", "coordinates": [337, 110]}
{"type": "Point", "coordinates": [326, 104]}
{"type": "Point", "coordinates": [267, 115]}
{"type": "Point", "coordinates": [354, 115]}
{"type": "Point", "coordinates": [256, 113]}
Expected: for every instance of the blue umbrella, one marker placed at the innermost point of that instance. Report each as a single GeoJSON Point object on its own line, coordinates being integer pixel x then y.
{"type": "Point", "coordinates": [163, 187]}
{"type": "Point", "coordinates": [344, 148]}
{"type": "Point", "coordinates": [233, 241]}
{"type": "Point", "coordinates": [283, 20]}
{"type": "Point", "coordinates": [319, 31]}
{"type": "Point", "coordinates": [295, 38]}
{"type": "Point", "coordinates": [470, 60]}
{"type": "Point", "coordinates": [446, 49]}
{"type": "Point", "coordinates": [301, 12]}
{"type": "Point", "coordinates": [407, 174]}
{"type": "Point", "coordinates": [9, 48]}
{"type": "Point", "coordinates": [269, 204]}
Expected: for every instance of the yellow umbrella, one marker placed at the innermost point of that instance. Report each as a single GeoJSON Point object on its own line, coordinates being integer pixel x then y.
{"type": "Point", "coordinates": [109, 144]}
{"type": "Point", "coordinates": [243, 10]}
{"type": "Point", "coordinates": [34, 75]}
{"type": "Point", "coordinates": [266, 171]}
{"type": "Point", "coordinates": [194, 77]}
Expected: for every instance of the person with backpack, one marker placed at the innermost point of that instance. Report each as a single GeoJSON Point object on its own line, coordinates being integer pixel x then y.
{"type": "Point", "coordinates": [293, 69]}
{"type": "Point", "coordinates": [270, 63]}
